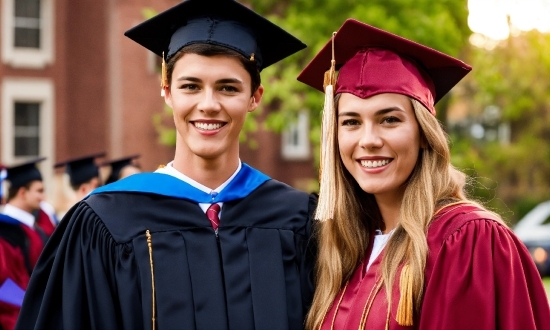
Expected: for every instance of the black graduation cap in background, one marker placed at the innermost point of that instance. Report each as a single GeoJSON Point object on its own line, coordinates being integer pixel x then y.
{"type": "Point", "coordinates": [20, 175]}
{"type": "Point", "coordinates": [220, 22]}
{"type": "Point", "coordinates": [117, 165]}
{"type": "Point", "coordinates": [81, 169]}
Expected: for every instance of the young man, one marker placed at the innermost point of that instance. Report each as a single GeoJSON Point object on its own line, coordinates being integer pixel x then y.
{"type": "Point", "coordinates": [206, 242]}
{"type": "Point", "coordinates": [83, 174]}
{"type": "Point", "coordinates": [21, 239]}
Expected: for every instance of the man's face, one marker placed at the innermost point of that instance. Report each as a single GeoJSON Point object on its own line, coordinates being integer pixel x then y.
{"type": "Point", "coordinates": [34, 195]}
{"type": "Point", "coordinates": [210, 97]}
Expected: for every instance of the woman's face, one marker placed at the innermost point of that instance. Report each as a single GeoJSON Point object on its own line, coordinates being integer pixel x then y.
{"type": "Point", "coordinates": [210, 97]}
{"type": "Point", "coordinates": [379, 142]}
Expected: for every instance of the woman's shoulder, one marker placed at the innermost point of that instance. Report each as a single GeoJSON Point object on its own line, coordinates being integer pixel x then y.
{"type": "Point", "coordinates": [454, 216]}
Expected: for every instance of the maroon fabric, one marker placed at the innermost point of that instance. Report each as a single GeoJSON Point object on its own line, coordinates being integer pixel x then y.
{"type": "Point", "coordinates": [375, 71]}
{"type": "Point", "coordinates": [478, 276]}
{"type": "Point", "coordinates": [212, 214]}
{"type": "Point", "coordinates": [45, 223]}
{"type": "Point", "coordinates": [420, 70]}
{"type": "Point", "coordinates": [12, 265]}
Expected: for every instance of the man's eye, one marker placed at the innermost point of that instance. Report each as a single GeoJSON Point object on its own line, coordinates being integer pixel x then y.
{"type": "Point", "coordinates": [229, 88]}
{"type": "Point", "coordinates": [189, 86]}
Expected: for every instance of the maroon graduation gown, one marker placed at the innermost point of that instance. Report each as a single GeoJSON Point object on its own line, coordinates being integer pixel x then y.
{"type": "Point", "coordinates": [14, 266]}
{"type": "Point", "coordinates": [478, 276]}
{"type": "Point", "coordinates": [44, 221]}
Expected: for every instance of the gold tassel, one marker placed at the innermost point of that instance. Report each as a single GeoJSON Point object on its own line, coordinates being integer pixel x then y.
{"type": "Point", "coordinates": [150, 245]}
{"type": "Point", "coordinates": [327, 166]}
{"type": "Point", "coordinates": [405, 307]}
{"type": "Point", "coordinates": [164, 76]}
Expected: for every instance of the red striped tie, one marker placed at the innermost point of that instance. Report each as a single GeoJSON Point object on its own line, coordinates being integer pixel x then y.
{"type": "Point", "coordinates": [212, 214]}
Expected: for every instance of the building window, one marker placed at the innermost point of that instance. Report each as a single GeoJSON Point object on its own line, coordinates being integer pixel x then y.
{"type": "Point", "coordinates": [27, 24]}
{"type": "Point", "coordinates": [27, 33]}
{"type": "Point", "coordinates": [26, 129]}
{"type": "Point", "coordinates": [27, 124]}
{"type": "Point", "coordinates": [295, 139]}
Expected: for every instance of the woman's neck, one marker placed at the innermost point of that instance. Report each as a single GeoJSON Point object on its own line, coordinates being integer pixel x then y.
{"type": "Point", "coordinates": [390, 210]}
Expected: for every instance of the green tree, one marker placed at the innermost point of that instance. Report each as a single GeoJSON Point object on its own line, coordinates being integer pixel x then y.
{"type": "Point", "coordinates": [515, 77]}
{"type": "Point", "coordinates": [441, 25]}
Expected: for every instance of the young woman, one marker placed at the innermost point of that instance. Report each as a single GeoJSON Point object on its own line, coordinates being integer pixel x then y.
{"type": "Point", "coordinates": [401, 246]}
{"type": "Point", "coordinates": [206, 242]}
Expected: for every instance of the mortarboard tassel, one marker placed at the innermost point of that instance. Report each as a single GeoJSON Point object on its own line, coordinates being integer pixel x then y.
{"type": "Point", "coordinates": [164, 76]}
{"type": "Point", "coordinates": [327, 167]}
{"type": "Point", "coordinates": [405, 307]}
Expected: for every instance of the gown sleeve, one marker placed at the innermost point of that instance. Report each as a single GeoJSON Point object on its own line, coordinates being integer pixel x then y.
{"type": "Point", "coordinates": [73, 284]}
{"type": "Point", "coordinates": [308, 255]}
{"type": "Point", "coordinates": [484, 278]}
{"type": "Point", "coordinates": [11, 269]}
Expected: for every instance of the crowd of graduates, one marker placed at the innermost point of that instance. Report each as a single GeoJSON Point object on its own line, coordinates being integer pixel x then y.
{"type": "Point", "coordinates": [27, 220]}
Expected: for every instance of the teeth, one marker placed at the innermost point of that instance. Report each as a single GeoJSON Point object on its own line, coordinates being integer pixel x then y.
{"type": "Point", "coordinates": [208, 126]}
{"type": "Point", "coordinates": [373, 164]}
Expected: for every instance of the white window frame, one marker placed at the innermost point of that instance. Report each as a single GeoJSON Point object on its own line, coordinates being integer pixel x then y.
{"type": "Point", "coordinates": [29, 90]}
{"type": "Point", "coordinates": [29, 58]}
{"type": "Point", "coordinates": [301, 150]}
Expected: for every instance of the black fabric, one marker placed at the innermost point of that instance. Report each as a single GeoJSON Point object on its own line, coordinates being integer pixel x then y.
{"type": "Point", "coordinates": [94, 273]}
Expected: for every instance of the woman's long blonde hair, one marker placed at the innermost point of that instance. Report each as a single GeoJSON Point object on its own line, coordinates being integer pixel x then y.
{"type": "Point", "coordinates": [343, 240]}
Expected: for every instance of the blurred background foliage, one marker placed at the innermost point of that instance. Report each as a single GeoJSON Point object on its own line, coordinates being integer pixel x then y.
{"type": "Point", "coordinates": [501, 134]}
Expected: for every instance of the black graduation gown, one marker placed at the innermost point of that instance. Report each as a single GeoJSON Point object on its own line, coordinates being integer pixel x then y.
{"type": "Point", "coordinates": [95, 271]}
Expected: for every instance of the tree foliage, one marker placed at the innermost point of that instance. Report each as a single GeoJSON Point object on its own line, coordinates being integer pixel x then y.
{"type": "Point", "coordinates": [514, 77]}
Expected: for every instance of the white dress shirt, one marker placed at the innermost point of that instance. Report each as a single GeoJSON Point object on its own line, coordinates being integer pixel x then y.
{"type": "Point", "coordinates": [22, 216]}
{"type": "Point", "coordinates": [170, 170]}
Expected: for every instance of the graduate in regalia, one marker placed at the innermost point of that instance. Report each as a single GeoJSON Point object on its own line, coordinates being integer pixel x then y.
{"type": "Point", "coordinates": [21, 238]}
{"type": "Point", "coordinates": [206, 241]}
{"type": "Point", "coordinates": [400, 244]}
{"type": "Point", "coordinates": [121, 168]}
{"type": "Point", "coordinates": [83, 173]}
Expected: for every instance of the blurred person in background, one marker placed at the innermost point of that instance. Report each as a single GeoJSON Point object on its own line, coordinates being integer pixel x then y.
{"type": "Point", "coordinates": [121, 168]}
{"type": "Point", "coordinates": [3, 175]}
{"type": "Point", "coordinates": [21, 238]}
{"type": "Point", "coordinates": [205, 242]}
{"type": "Point", "coordinates": [400, 244]}
{"type": "Point", "coordinates": [83, 174]}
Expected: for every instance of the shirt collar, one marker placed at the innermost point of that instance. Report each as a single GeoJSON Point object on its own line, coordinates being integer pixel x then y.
{"type": "Point", "coordinates": [22, 216]}
{"type": "Point", "coordinates": [170, 170]}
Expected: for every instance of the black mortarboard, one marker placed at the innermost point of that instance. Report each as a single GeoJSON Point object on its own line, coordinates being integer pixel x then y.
{"type": "Point", "coordinates": [81, 169]}
{"type": "Point", "coordinates": [117, 165]}
{"type": "Point", "coordinates": [20, 175]}
{"type": "Point", "coordinates": [221, 22]}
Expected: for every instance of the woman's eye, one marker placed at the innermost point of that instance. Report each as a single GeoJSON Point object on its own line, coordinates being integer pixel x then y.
{"type": "Point", "coordinates": [391, 120]}
{"type": "Point", "coordinates": [350, 122]}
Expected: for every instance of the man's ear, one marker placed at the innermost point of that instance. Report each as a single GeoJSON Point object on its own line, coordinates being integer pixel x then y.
{"type": "Point", "coordinates": [21, 191]}
{"type": "Point", "coordinates": [167, 96]}
{"type": "Point", "coordinates": [256, 98]}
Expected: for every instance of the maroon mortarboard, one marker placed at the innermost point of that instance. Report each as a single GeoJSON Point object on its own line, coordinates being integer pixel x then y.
{"type": "Point", "coordinates": [373, 61]}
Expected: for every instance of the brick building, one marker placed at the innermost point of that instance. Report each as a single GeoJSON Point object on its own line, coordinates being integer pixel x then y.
{"type": "Point", "coordinates": [71, 84]}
